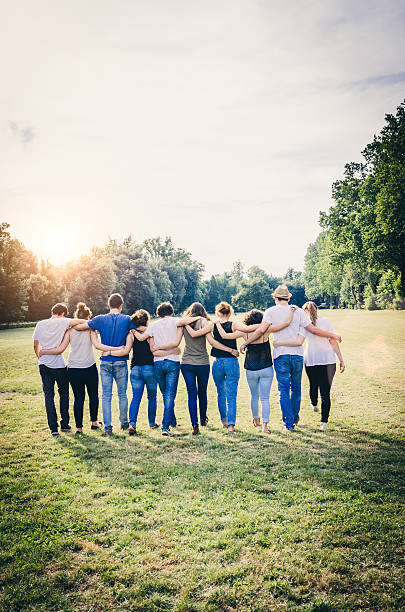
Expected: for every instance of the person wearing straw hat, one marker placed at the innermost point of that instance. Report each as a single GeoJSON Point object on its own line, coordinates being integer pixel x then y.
{"type": "Point", "coordinates": [288, 360]}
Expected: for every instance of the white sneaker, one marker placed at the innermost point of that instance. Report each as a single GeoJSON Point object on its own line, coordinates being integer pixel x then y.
{"type": "Point", "coordinates": [316, 409]}
{"type": "Point", "coordinates": [324, 426]}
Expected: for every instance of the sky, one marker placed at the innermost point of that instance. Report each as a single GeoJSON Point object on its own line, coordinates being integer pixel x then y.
{"type": "Point", "coordinates": [220, 123]}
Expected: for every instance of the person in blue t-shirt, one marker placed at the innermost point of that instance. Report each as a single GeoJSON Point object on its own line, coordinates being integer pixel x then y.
{"type": "Point", "coordinates": [113, 329]}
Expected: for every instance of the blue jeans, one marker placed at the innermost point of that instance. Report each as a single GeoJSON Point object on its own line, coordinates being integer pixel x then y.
{"type": "Point", "coordinates": [141, 376]}
{"type": "Point", "coordinates": [259, 382]}
{"type": "Point", "coordinates": [289, 371]}
{"type": "Point", "coordinates": [118, 371]}
{"type": "Point", "coordinates": [196, 379]}
{"type": "Point", "coordinates": [225, 372]}
{"type": "Point", "coordinates": [167, 375]}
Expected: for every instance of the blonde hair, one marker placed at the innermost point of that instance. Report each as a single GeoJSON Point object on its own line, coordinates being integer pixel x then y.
{"type": "Point", "coordinates": [224, 309]}
{"type": "Point", "coordinates": [82, 311]}
{"type": "Point", "coordinates": [312, 309]}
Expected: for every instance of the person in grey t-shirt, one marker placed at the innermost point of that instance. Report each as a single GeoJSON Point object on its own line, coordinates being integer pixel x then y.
{"type": "Point", "coordinates": [48, 334]}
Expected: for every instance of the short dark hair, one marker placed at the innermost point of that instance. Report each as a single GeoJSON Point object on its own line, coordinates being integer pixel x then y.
{"type": "Point", "coordinates": [165, 309]}
{"type": "Point", "coordinates": [140, 317]}
{"type": "Point", "coordinates": [253, 317]}
{"type": "Point", "coordinates": [59, 309]}
{"type": "Point", "coordinates": [115, 300]}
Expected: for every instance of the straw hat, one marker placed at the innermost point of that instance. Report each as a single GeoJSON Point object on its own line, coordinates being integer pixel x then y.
{"type": "Point", "coordinates": [282, 292]}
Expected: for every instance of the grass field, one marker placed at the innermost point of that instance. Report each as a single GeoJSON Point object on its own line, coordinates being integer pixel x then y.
{"type": "Point", "coordinates": [312, 521]}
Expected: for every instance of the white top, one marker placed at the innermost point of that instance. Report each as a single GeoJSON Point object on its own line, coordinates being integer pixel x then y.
{"type": "Point", "coordinates": [318, 351]}
{"type": "Point", "coordinates": [278, 314]}
{"type": "Point", "coordinates": [49, 334]}
{"type": "Point", "coordinates": [164, 331]}
{"type": "Point", "coordinates": [81, 350]}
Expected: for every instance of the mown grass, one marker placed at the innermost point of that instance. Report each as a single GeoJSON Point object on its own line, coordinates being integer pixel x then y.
{"type": "Point", "coordinates": [308, 522]}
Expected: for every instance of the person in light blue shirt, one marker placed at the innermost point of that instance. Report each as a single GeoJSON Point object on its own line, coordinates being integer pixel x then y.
{"type": "Point", "coordinates": [113, 329]}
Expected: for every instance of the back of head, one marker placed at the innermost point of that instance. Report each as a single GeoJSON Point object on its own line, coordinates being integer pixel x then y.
{"type": "Point", "coordinates": [82, 311]}
{"type": "Point", "coordinates": [312, 311]}
{"type": "Point", "coordinates": [141, 318]}
{"type": "Point", "coordinates": [281, 293]}
{"type": "Point", "coordinates": [223, 309]}
{"type": "Point", "coordinates": [253, 317]}
{"type": "Point", "coordinates": [196, 310]}
{"type": "Point", "coordinates": [59, 309]}
{"type": "Point", "coordinates": [115, 300]}
{"type": "Point", "coordinates": [164, 310]}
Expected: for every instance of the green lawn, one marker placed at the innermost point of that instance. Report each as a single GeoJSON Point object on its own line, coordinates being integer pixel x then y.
{"type": "Point", "coordinates": [312, 521]}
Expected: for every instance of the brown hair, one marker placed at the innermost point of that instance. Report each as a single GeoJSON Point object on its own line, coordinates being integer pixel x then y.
{"type": "Point", "coordinates": [115, 300]}
{"type": "Point", "coordinates": [141, 317]}
{"type": "Point", "coordinates": [82, 311]}
{"type": "Point", "coordinates": [59, 309]}
{"type": "Point", "coordinates": [165, 309]}
{"type": "Point", "coordinates": [312, 309]}
{"type": "Point", "coordinates": [253, 317]}
{"type": "Point", "coordinates": [224, 309]}
{"type": "Point", "coordinates": [196, 309]}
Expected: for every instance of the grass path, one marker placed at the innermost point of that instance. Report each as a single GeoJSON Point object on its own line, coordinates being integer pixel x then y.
{"type": "Point", "coordinates": [313, 521]}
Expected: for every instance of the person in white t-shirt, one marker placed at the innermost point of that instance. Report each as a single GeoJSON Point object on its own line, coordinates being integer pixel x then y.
{"type": "Point", "coordinates": [82, 370]}
{"type": "Point", "coordinates": [48, 334]}
{"type": "Point", "coordinates": [288, 361]}
{"type": "Point", "coordinates": [319, 359]}
{"type": "Point", "coordinates": [166, 333]}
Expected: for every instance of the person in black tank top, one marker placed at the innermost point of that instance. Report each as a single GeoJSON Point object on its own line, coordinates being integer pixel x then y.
{"type": "Point", "coordinates": [258, 362]}
{"type": "Point", "coordinates": [142, 371]}
{"type": "Point", "coordinates": [225, 369]}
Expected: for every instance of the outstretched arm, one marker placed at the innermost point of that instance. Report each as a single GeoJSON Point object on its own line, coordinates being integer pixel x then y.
{"type": "Point", "coordinates": [322, 332]}
{"type": "Point", "coordinates": [187, 321]}
{"type": "Point", "coordinates": [206, 328]}
{"type": "Point", "coordinates": [170, 345]}
{"type": "Point", "coordinates": [338, 352]}
{"type": "Point", "coordinates": [60, 349]}
{"type": "Point", "coordinates": [297, 342]}
{"type": "Point", "coordinates": [79, 325]}
{"type": "Point", "coordinates": [220, 346]}
{"type": "Point", "coordinates": [103, 347]}
{"type": "Point", "coordinates": [230, 335]}
{"type": "Point", "coordinates": [121, 351]}
{"type": "Point", "coordinates": [263, 327]}
{"type": "Point", "coordinates": [279, 326]}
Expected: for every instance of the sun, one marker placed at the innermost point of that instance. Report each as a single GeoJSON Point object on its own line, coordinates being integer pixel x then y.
{"type": "Point", "coordinates": [58, 245]}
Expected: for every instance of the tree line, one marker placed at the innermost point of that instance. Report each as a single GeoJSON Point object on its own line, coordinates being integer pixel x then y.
{"type": "Point", "coordinates": [146, 274]}
{"type": "Point", "coordinates": [358, 259]}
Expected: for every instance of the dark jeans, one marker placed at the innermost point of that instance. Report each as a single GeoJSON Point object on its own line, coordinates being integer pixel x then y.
{"type": "Point", "coordinates": [50, 376]}
{"type": "Point", "coordinates": [196, 379]}
{"type": "Point", "coordinates": [320, 378]}
{"type": "Point", "coordinates": [81, 379]}
{"type": "Point", "coordinates": [167, 375]}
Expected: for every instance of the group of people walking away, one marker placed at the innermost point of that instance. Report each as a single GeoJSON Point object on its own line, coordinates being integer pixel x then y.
{"type": "Point", "coordinates": [156, 361]}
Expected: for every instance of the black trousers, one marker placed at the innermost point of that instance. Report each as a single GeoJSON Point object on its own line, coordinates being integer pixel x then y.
{"type": "Point", "coordinates": [320, 378]}
{"type": "Point", "coordinates": [49, 377]}
{"type": "Point", "coordinates": [81, 379]}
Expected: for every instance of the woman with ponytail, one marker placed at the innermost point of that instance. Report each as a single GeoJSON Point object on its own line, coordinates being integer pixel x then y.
{"type": "Point", "coordinates": [82, 369]}
{"type": "Point", "coordinates": [319, 359]}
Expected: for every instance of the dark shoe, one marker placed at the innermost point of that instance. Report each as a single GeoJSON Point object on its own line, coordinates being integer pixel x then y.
{"type": "Point", "coordinates": [55, 433]}
{"type": "Point", "coordinates": [107, 432]}
{"type": "Point", "coordinates": [155, 426]}
{"type": "Point", "coordinates": [125, 426]}
{"type": "Point", "coordinates": [204, 423]}
{"type": "Point", "coordinates": [296, 421]}
{"type": "Point", "coordinates": [78, 433]}
{"type": "Point", "coordinates": [99, 426]}
{"type": "Point", "coordinates": [66, 429]}
{"type": "Point", "coordinates": [132, 431]}
{"type": "Point", "coordinates": [196, 430]}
